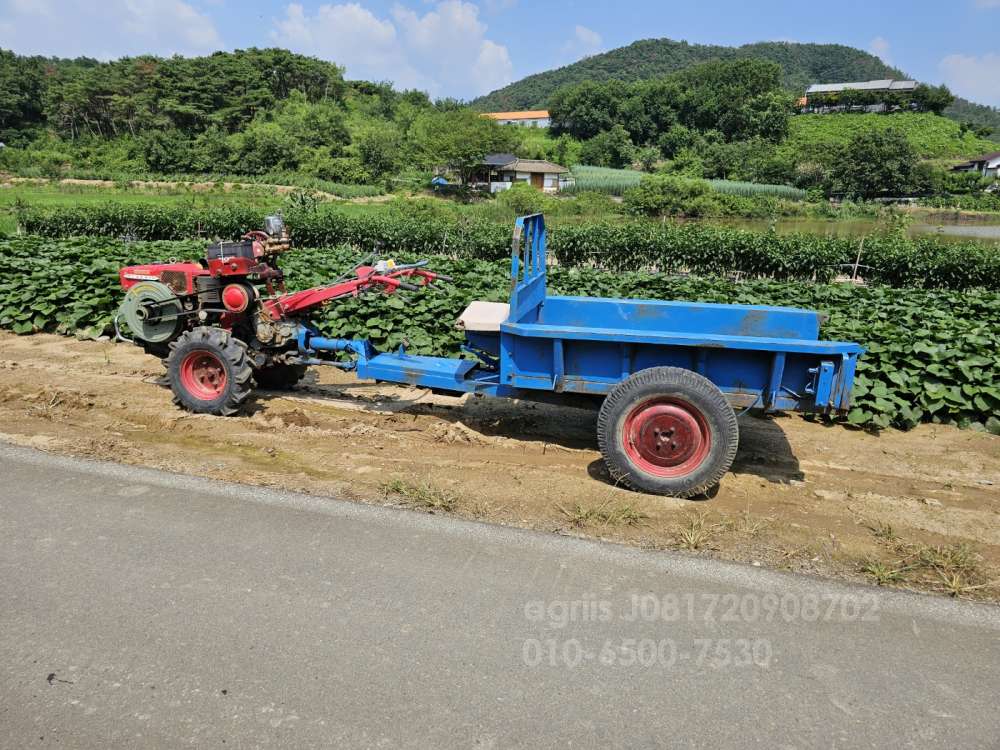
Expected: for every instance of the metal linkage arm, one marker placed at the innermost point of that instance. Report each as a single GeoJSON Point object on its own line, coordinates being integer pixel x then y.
{"type": "Point", "coordinates": [389, 280]}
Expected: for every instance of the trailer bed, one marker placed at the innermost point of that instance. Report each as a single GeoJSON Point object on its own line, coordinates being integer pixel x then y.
{"type": "Point", "coordinates": [763, 356]}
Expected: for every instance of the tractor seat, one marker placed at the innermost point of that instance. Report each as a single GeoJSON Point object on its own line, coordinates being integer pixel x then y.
{"type": "Point", "coordinates": [483, 317]}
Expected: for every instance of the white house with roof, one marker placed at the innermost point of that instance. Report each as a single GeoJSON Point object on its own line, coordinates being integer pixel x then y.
{"type": "Point", "coordinates": [537, 118]}
{"type": "Point", "coordinates": [988, 165]}
{"type": "Point", "coordinates": [500, 172]}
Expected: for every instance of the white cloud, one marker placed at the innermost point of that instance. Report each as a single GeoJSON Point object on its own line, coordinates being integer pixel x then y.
{"type": "Point", "coordinates": [975, 78]}
{"type": "Point", "coordinates": [880, 46]}
{"type": "Point", "coordinates": [351, 30]}
{"type": "Point", "coordinates": [585, 42]}
{"type": "Point", "coordinates": [493, 67]}
{"type": "Point", "coordinates": [444, 50]}
{"type": "Point", "coordinates": [108, 29]}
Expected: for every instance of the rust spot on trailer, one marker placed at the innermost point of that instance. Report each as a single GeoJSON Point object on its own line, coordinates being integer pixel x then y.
{"type": "Point", "coordinates": [645, 310]}
{"type": "Point", "coordinates": [411, 376]}
{"type": "Point", "coordinates": [752, 323]}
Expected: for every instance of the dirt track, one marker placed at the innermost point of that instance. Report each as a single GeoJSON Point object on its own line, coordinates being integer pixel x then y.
{"type": "Point", "coordinates": [919, 509]}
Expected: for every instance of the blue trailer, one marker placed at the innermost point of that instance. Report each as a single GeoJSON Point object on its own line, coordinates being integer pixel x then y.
{"type": "Point", "coordinates": [667, 377]}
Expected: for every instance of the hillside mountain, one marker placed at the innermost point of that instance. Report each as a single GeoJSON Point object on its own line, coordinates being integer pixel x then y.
{"type": "Point", "coordinates": [651, 58]}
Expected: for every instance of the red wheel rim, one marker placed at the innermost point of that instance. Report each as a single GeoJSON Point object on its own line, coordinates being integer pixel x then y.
{"type": "Point", "coordinates": [203, 375]}
{"type": "Point", "coordinates": [666, 437]}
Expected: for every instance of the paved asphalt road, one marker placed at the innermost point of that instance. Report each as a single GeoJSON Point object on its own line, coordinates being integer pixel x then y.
{"type": "Point", "coordinates": [143, 609]}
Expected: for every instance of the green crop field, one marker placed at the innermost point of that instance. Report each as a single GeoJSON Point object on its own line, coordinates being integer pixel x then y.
{"type": "Point", "coordinates": [617, 181]}
{"type": "Point", "coordinates": [933, 355]}
{"type": "Point", "coordinates": [603, 180]}
{"type": "Point", "coordinates": [43, 194]}
{"type": "Point", "coordinates": [893, 260]}
{"type": "Point", "coordinates": [933, 137]}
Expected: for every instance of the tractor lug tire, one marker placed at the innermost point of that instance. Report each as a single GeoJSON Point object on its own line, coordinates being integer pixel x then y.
{"type": "Point", "coordinates": [209, 372]}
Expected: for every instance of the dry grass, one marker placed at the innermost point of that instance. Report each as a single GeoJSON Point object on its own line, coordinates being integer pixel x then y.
{"type": "Point", "coordinates": [698, 532]}
{"type": "Point", "coordinates": [953, 569]}
{"type": "Point", "coordinates": [45, 404]}
{"type": "Point", "coordinates": [603, 515]}
{"type": "Point", "coordinates": [883, 531]}
{"type": "Point", "coordinates": [423, 496]}
{"type": "Point", "coordinates": [882, 573]}
{"type": "Point", "coordinates": [751, 525]}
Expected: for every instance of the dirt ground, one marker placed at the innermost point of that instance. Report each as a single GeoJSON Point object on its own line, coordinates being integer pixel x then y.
{"type": "Point", "coordinates": [919, 509]}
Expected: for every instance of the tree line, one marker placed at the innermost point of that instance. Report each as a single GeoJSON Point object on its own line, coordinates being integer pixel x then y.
{"type": "Point", "coordinates": [715, 102]}
{"type": "Point", "coordinates": [248, 112]}
{"type": "Point", "coordinates": [269, 111]}
{"type": "Point", "coordinates": [729, 119]}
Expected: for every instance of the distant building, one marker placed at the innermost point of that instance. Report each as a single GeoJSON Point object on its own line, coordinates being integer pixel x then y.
{"type": "Point", "coordinates": [500, 171]}
{"type": "Point", "coordinates": [988, 165]}
{"type": "Point", "coordinates": [858, 96]}
{"type": "Point", "coordinates": [538, 118]}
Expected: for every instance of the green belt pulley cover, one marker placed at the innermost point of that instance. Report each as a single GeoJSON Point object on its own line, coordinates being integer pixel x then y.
{"type": "Point", "coordinates": [152, 311]}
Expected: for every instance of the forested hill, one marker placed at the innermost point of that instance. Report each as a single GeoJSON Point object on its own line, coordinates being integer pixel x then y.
{"type": "Point", "coordinates": [133, 95]}
{"type": "Point", "coordinates": [801, 64]}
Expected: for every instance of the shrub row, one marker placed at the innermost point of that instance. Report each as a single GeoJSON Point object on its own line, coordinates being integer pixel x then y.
{"type": "Point", "coordinates": [970, 202]}
{"type": "Point", "coordinates": [891, 260]}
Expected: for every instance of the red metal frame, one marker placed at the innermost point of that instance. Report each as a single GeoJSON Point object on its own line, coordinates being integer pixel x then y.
{"type": "Point", "coordinates": [132, 275]}
{"type": "Point", "coordinates": [299, 303]}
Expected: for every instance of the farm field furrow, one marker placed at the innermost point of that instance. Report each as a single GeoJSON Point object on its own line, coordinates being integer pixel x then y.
{"type": "Point", "coordinates": [912, 509]}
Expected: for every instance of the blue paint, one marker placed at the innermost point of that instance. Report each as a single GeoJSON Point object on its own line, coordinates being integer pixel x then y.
{"type": "Point", "coordinates": [755, 354]}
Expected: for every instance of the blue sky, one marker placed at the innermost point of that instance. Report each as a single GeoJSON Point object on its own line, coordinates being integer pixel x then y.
{"type": "Point", "coordinates": [464, 48]}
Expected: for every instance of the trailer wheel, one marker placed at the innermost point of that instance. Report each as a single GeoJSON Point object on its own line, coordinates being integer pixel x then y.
{"type": "Point", "coordinates": [209, 372]}
{"type": "Point", "coordinates": [667, 431]}
{"type": "Point", "coordinates": [279, 377]}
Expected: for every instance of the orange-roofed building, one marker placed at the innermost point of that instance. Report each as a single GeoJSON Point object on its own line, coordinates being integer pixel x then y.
{"type": "Point", "coordinates": [538, 118]}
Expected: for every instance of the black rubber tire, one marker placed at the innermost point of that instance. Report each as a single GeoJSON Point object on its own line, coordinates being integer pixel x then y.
{"type": "Point", "coordinates": [674, 383]}
{"type": "Point", "coordinates": [231, 352]}
{"type": "Point", "coordinates": [279, 377]}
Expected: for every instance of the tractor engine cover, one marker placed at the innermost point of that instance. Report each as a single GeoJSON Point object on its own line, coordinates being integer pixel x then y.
{"type": "Point", "coordinates": [152, 312]}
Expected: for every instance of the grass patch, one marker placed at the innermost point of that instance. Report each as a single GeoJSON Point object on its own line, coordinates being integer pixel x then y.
{"type": "Point", "coordinates": [882, 573]}
{"type": "Point", "coordinates": [751, 525]}
{"type": "Point", "coordinates": [423, 496]}
{"type": "Point", "coordinates": [953, 569]}
{"type": "Point", "coordinates": [604, 515]}
{"type": "Point", "coordinates": [883, 531]}
{"type": "Point", "coordinates": [698, 532]}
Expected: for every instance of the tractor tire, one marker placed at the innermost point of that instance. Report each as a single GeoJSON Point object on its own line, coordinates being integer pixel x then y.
{"type": "Point", "coordinates": [667, 431]}
{"type": "Point", "coordinates": [209, 372]}
{"type": "Point", "coordinates": [279, 377]}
